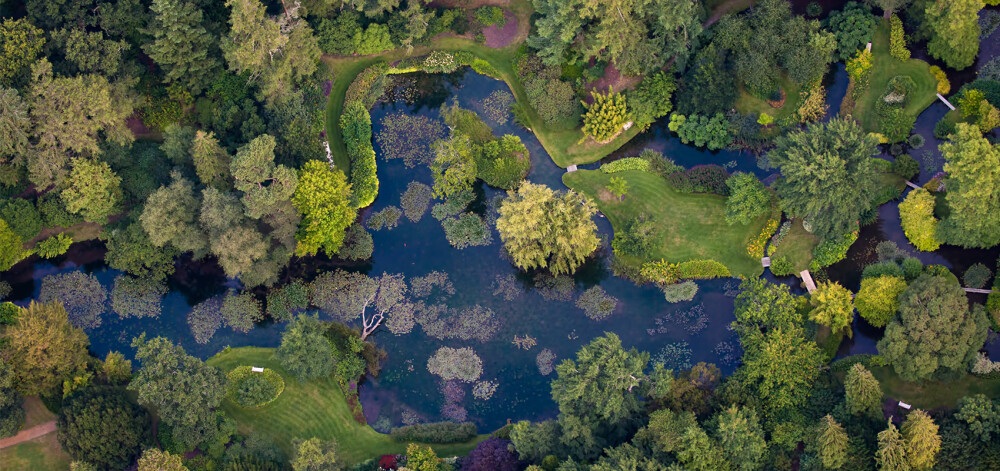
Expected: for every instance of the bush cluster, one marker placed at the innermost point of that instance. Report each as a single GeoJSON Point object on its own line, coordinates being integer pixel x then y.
{"type": "Point", "coordinates": [781, 266]}
{"type": "Point", "coordinates": [665, 273]}
{"type": "Point", "coordinates": [553, 98]}
{"type": "Point", "coordinates": [250, 389]}
{"type": "Point", "coordinates": [356, 127]}
{"type": "Point", "coordinates": [700, 179]}
{"type": "Point", "coordinates": [711, 132]}
{"type": "Point", "coordinates": [906, 166]}
{"type": "Point", "coordinates": [626, 163]}
{"type": "Point", "coordinates": [831, 251]}
{"type": "Point", "coordinates": [437, 432]}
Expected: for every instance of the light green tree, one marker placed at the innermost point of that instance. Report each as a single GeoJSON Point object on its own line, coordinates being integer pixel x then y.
{"type": "Point", "coordinates": [15, 127]}
{"type": "Point", "coordinates": [618, 186]}
{"type": "Point", "coordinates": [44, 348]}
{"type": "Point", "coordinates": [606, 116]}
{"type": "Point", "coordinates": [922, 440]}
{"type": "Point", "coordinates": [155, 460]}
{"type": "Point", "coordinates": [211, 162]}
{"type": "Point", "coordinates": [833, 307]}
{"type": "Point", "coordinates": [94, 190]}
{"type": "Point", "coordinates": [831, 443]}
{"type": "Point", "coordinates": [323, 197]}
{"type": "Point", "coordinates": [954, 27]}
{"type": "Point", "coordinates": [891, 453]}
{"type": "Point", "coordinates": [916, 214]}
{"type": "Point", "coordinates": [543, 229]}
{"type": "Point", "coordinates": [782, 365]}
{"type": "Point", "coordinates": [973, 166]}
{"type": "Point", "coordinates": [863, 394]}
{"type": "Point", "coordinates": [878, 299]}
{"type": "Point", "coordinates": [20, 43]}
{"type": "Point", "coordinates": [454, 166]}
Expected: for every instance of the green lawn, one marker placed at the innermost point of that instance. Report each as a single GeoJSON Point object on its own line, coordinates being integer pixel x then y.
{"type": "Point", "coordinates": [41, 453]}
{"type": "Point", "coordinates": [313, 409]}
{"type": "Point", "coordinates": [689, 225]}
{"type": "Point", "coordinates": [934, 394]}
{"type": "Point", "coordinates": [560, 143]}
{"type": "Point", "coordinates": [797, 246]}
{"type": "Point", "coordinates": [886, 67]}
{"type": "Point", "coordinates": [747, 103]}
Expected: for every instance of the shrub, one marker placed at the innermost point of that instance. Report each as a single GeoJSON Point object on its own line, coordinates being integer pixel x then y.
{"type": "Point", "coordinates": [708, 179]}
{"type": "Point", "coordinates": [553, 99]}
{"type": "Point", "coordinates": [467, 230]}
{"type": "Point", "coordinates": [916, 213]}
{"type": "Point", "coordinates": [372, 40]}
{"type": "Point", "coordinates": [756, 246]}
{"type": "Point", "coordinates": [897, 43]}
{"type": "Point", "coordinates": [626, 163]}
{"type": "Point", "coordinates": [437, 432]}
{"type": "Point", "coordinates": [659, 164]}
{"type": "Point", "coordinates": [356, 126]}
{"type": "Point", "coordinates": [54, 246]}
{"type": "Point", "coordinates": [597, 303]}
{"type": "Point", "coordinates": [491, 15]}
{"type": "Point", "coordinates": [650, 99]}
{"type": "Point", "coordinates": [916, 141]}
{"type": "Point", "coordinates": [253, 389]}
{"type": "Point", "coordinates": [336, 35]}
{"type": "Point", "coordinates": [606, 116]}
{"type": "Point", "coordinates": [833, 250]}
{"type": "Point", "coordinates": [711, 132]}
{"type": "Point", "coordinates": [440, 62]}
{"type": "Point", "coordinates": [22, 217]}
{"type": "Point", "coordinates": [886, 268]}
{"type": "Point", "coordinates": [859, 69]}
{"type": "Point", "coordinates": [943, 85]}
{"type": "Point", "coordinates": [977, 276]}
{"type": "Point", "coordinates": [416, 200]}
{"type": "Point", "coordinates": [702, 270]}
{"type": "Point", "coordinates": [912, 267]}
{"type": "Point", "coordinates": [677, 292]}
{"type": "Point", "coordinates": [878, 299]}
{"type": "Point", "coordinates": [456, 363]}
{"type": "Point", "coordinates": [502, 163]}
{"type": "Point", "coordinates": [781, 266]}
{"type": "Point", "coordinates": [905, 166]}
{"type": "Point", "coordinates": [9, 313]}
{"type": "Point", "coordinates": [368, 86]}
{"type": "Point", "coordinates": [387, 218]}
{"type": "Point", "coordinates": [483, 67]}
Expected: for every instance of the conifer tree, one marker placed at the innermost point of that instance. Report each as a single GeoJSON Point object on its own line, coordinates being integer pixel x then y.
{"type": "Point", "coordinates": [181, 44]}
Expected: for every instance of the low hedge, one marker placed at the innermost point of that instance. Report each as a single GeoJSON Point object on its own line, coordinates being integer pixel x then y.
{"type": "Point", "coordinates": [664, 273]}
{"type": "Point", "coordinates": [437, 432]}
{"type": "Point", "coordinates": [626, 163]}
{"type": "Point", "coordinates": [266, 383]}
{"type": "Point", "coordinates": [356, 128]}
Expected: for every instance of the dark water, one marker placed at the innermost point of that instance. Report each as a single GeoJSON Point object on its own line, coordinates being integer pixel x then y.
{"type": "Point", "coordinates": [415, 249]}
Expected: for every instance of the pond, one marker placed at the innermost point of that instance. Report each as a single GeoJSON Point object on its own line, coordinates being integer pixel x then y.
{"type": "Point", "coordinates": [682, 333]}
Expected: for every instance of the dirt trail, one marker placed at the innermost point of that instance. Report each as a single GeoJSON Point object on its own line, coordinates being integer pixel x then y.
{"type": "Point", "coordinates": [29, 434]}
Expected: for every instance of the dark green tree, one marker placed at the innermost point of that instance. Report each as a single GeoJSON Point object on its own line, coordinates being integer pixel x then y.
{"type": "Point", "coordinates": [305, 351]}
{"type": "Point", "coordinates": [101, 426]}
{"type": "Point", "coordinates": [827, 175]}
{"type": "Point", "coordinates": [935, 330]}
{"type": "Point", "coordinates": [181, 44]}
{"type": "Point", "coordinates": [185, 392]}
{"type": "Point", "coordinates": [741, 438]}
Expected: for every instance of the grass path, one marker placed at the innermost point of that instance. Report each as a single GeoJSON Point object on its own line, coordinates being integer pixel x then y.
{"type": "Point", "coordinates": [314, 409]}
{"type": "Point", "coordinates": [561, 144]}
{"type": "Point", "coordinates": [689, 225]}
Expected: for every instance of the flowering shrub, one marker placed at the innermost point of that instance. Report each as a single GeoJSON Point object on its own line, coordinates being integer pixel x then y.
{"type": "Point", "coordinates": [440, 62]}
{"type": "Point", "coordinates": [253, 389]}
{"type": "Point", "coordinates": [832, 251]}
{"type": "Point", "coordinates": [626, 163]}
{"type": "Point", "coordinates": [756, 246]}
{"type": "Point", "coordinates": [484, 389]}
{"type": "Point", "coordinates": [597, 303]}
{"type": "Point", "coordinates": [545, 361]}
{"type": "Point", "coordinates": [456, 363]}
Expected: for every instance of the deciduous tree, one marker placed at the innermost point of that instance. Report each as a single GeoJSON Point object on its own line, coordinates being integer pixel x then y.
{"type": "Point", "coordinates": [782, 365]}
{"type": "Point", "coordinates": [305, 352]}
{"type": "Point", "coordinates": [544, 229]}
{"type": "Point", "coordinates": [94, 190]}
{"type": "Point", "coordinates": [15, 126]}
{"type": "Point", "coordinates": [827, 175]}
{"type": "Point", "coordinates": [211, 161]}
{"type": "Point", "coordinates": [454, 166]}
{"type": "Point", "coordinates": [315, 455]}
{"type": "Point", "coordinates": [155, 460]}
{"type": "Point", "coordinates": [973, 166]}
{"type": "Point", "coordinates": [741, 438]}
{"type": "Point", "coordinates": [264, 184]}
{"type": "Point", "coordinates": [832, 307]}
{"type": "Point", "coordinates": [323, 197]}
{"type": "Point", "coordinates": [916, 213]}
{"type": "Point", "coordinates": [954, 27]}
{"type": "Point", "coordinates": [20, 43]}
{"type": "Point", "coordinates": [748, 198]}
{"type": "Point", "coordinates": [101, 426]}
{"type": "Point", "coordinates": [44, 348]}
{"type": "Point", "coordinates": [935, 330]}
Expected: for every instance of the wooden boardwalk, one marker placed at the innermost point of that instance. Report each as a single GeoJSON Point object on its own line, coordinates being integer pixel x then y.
{"type": "Point", "coordinates": [946, 102]}
{"type": "Point", "coordinates": [808, 280]}
{"type": "Point", "coordinates": [980, 291]}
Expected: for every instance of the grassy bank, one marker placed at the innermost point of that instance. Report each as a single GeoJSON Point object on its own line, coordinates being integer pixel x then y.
{"type": "Point", "coordinates": [314, 409]}
{"type": "Point", "coordinates": [562, 144]}
{"type": "Point", "coordinates": [797, 247]}
{"type": "Point", "coordinates": [747, 103]}
{"type": "Point", "coordinates": [934, 394]}
{"type": "Point", "coordinates": [689, 225]}
{"type": "Point", "coordinates": [885, 68]}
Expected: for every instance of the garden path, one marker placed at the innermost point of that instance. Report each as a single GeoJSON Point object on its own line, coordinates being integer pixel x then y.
{"type": "Point", "coordinates": [29, 434]}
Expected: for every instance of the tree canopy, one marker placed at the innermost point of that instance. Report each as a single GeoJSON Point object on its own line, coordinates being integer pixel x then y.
{"type": "Point", "coordinates": [44, 348]}
{"type": "Point", "coordinates": [973, 166]}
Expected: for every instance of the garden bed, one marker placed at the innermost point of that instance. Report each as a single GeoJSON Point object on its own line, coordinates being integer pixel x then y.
{"type": "Point", "coordinates": [747, 103]}
{"type": "Point", "coordinates": [691, 226]}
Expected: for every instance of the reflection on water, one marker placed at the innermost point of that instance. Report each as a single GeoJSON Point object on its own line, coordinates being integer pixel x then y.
{"type": "Point", "coordinates": [681, 333]}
